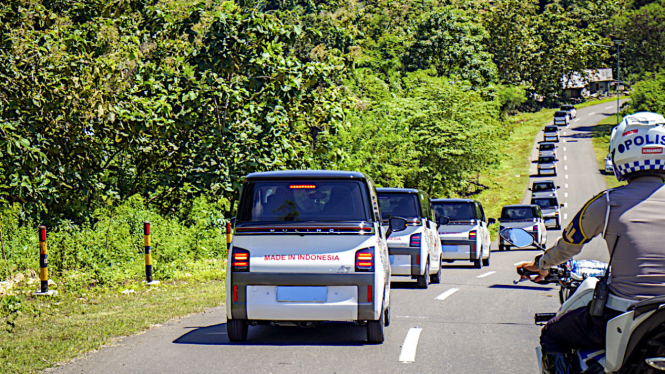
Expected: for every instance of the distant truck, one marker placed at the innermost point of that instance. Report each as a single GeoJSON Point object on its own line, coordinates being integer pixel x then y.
{"type": "Point", "coordinates": [416, 251]}
{"type": "Point", "coordinates": [527, 217]}
{"type": "Point", "coordinates": [466, 236]}
{"type": "Point", "coordinates": [309, 247]}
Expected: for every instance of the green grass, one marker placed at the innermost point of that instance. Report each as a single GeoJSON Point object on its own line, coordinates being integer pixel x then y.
{"type": "Point", "coordinates": [56, 329]}
{"type": "Point", "coordinates": [601, 140]}
{"type": "Point", "coordinates": [508, 181]}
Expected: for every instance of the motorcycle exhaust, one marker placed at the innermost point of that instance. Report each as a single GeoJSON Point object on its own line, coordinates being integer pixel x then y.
{"type": "Point", "coordinates": [657, 363]}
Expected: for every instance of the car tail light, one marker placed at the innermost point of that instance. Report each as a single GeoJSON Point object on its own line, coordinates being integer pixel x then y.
{"type": "Point", "coordinates": [473, 234]}
{"type": "Point", "coordinates": [240, 260]}
{"type": "Point", "coordinates": [415, 240]}
{"type": "Point", "coordinates": [365, 259]}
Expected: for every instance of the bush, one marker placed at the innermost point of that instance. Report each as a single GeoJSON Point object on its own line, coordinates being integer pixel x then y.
{"type": "Point", "coordinates": [649, 95]}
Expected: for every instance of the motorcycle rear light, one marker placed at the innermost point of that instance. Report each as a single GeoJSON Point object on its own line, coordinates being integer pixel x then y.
{"type": "Point", "coordinates": [473, 234]}
{"type": "Point", "coordinates": [365, 259]}
{"type": "Point", "coordinates": [415, 240]}
{"type": "Point", "coordinates": [240, 260]}
{"type": "Point", "coordinates": [369, 294]}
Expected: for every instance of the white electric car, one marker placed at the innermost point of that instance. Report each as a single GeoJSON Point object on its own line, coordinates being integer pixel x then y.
{"type": "Point", "coordinates": [466, 236]}
{"type": "Point", "coordinates": [416, 251]}
{"type": "Point", "coordinates": [309, 247]}
{"type": "Point", "coordinates": [527, 217]}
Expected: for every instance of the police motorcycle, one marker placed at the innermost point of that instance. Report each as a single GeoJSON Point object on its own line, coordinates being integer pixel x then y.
{"type": "Point", "coordinates": [635, 340]}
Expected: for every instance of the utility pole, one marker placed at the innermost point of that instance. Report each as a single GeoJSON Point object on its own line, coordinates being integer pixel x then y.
{"type": "Point", "coordinates": [617, 43]}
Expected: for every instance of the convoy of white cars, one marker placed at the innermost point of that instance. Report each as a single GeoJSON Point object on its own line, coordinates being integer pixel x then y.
{"type": "Point", "coordinates": [313, 246]}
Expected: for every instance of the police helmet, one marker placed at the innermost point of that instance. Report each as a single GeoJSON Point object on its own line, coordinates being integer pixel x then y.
{"type": "Point", "coordinates": [637, 145]}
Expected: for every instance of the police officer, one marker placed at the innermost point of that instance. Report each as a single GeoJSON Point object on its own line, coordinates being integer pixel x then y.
{"type": "Point", "coordinates": [634, 213]}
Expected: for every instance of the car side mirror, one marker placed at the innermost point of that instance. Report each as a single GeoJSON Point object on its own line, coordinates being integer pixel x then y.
{"type": "Point", "coordinates": [443, 220]}
{"type": "Point", "coordinates": [529, 188]}
{"type": "Point", "coordinates": [396, 224]}
{"type": "Point", "coordinates": [557, 187]}
{"type": "Point", "coordinates": [491, 221]}
{"type": "Point", "coordinates": [562, 205]}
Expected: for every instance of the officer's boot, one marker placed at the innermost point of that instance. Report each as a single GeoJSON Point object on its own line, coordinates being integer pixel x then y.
{"type": "Point", "coordinates": [556, 363]}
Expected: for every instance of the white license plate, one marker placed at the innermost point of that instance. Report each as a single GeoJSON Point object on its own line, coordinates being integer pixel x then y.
{"type": "Point", "coordinates": [302, 294]}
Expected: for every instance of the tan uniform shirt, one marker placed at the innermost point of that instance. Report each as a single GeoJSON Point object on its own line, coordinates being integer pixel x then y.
{"type": "Point", "coordinates": [637, 212]}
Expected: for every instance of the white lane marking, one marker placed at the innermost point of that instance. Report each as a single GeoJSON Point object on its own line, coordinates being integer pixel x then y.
{"type": "Point", "coordinates": [566, 176]}
{"type": "Point", "coordinates": [565, 216]}
{"type": "Point", "coordinates": [486, 274]}
{"type": "Point", "coordinates": [565, 158]}
{"type": "Point", "coordinates": [564, 133]}
{"type": "Point", "coordinates": [410, 345]}
{"type": "Point", "coordinates": [565, 167]}
{"type": "Point", "coordinates": [609, 107]}
{"type": "Point", "coordinates": [576, 120]}
{"type": "Point", "coordinates": [565, 205]}
{"type": "Point", "coordinates": [564, 140]}
{"type": "Point", "coordinates": [444, 295]}
{"type": "Point", "coordinates": [564, 149]}
{"type": "Point", "coordinates": [566, 185]}
{"type": "Point", "coordinates": [565, 195]}
{"type": "Point", "coordinates": [592, 113]}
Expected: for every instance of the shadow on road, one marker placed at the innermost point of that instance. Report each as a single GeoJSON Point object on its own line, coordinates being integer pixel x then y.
{"type": "Point", "coordinates": [517, 287]}
{"type": "Point", "coordinates": [340, 334]}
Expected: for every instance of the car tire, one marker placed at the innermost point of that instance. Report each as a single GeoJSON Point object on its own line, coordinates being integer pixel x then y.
{"type": "Point", "coordinates": [502, 247]}
{"type": "Point", "coordinates": [423, 280]}
{"type": "Point", "coordinates": [436, 278]}
{"type": "Point", "coordinates": [386, 317]}
{"type": "Point", "coordinates": [478, 264]}
{"type": "Point", "coordinates": [486, 262]}
{"type": "Point", "coordinates": [236, 330]}
{"type": "Point", "coordinates": [375, 332]}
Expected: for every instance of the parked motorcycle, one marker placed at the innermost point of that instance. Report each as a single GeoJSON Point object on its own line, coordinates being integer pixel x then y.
{"type": "Point", "coordinates": [635, 340]}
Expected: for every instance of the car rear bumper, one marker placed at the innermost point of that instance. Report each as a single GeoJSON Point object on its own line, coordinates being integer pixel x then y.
{"type": "Point", "coordinates": [405, 261]}
{"type": "Point", "coordinates": [256, 297]}
{"type": "Point", "coordinates": [466, 250]}
{"type": "Point", "coordinates": [547, 170]}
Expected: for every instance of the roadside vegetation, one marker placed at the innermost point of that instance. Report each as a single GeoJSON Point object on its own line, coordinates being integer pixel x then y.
{"type": "Point", "coordinates": [115, 113]}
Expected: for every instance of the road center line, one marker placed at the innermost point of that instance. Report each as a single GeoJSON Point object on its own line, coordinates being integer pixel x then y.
{"type": "Point", "coordinates": [576, 120]}
{"type": "Point", "coordinates": [565, 216]}
{"type": "Point", "coordinates": [609, 107]}
{"type": "Point", "coordinates": [410, 345]}
{"type": "Point", "coordinates": [564, 149]}
{"type": "Point", "coordinates": [566, 185]}
{"type": "Point", "coordinates": [444, 295]}
{"type": "Point", "coordinates": [592, 113]}
{"type": "Point", "coordinates": [486, 274]}
{"type": "Point", "coordinates": [565, 158]}
{"type": "Point", "coordinates": [565, 167]}
{"type": "Point", "coordinates": [565, 195]}
{"type": "Point", "coordinates": [566, 176]}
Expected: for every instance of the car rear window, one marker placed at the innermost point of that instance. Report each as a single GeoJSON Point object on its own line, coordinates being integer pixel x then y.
{"type": "Point", "coordinates": [545, 202]}
{"type": "Point", "coordinates": [551, 129]}
{"type": "Point", "coordinates": [560, 113]}
{"type": "Point", "coordinates": [546, 146]}
{"type": "Point", "coordinates": [302, 200]}
{"type": "Point", "coordinates": [542, 159]}
{"type": "Point", "coordinates": [455, 211]}
{"type": "Point", "coordinates": [403, 205]}
{"type": "Point", "coordinates": [543, 186]}
{"type": "Point", "coordinates": [517, 213]}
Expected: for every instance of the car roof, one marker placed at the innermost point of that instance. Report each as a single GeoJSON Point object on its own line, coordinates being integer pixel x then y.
{"type": "Point", "coordinates": [520, 206]}
{"type": "Point", "coordinates": [543, 181]}
{"type": "Point", "coordinates": [307, 174]}
{"type": "Point", "coordinates": [547, 143]}
{"type": "Point", "coordinates": [453, 200]}
{"type": "Point", "coordinates": [396, 190]}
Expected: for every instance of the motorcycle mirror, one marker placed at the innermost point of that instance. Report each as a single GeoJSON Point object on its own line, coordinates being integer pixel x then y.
{"type": "Point", "coordinates": [491, 221]}
{"type": "Point", "coordinates": [517, 237]}
{"type": "Point", "coordinates": [396, 224]}
{"type": "Point", "coordinates": [443, 220]}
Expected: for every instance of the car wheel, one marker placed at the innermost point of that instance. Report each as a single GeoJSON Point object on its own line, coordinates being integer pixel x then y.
{"type": "Point", "coordinates": [478, 264]}
{"type": "Point", "coordinates": [236, 330]}
{"type": "Point", "coordinates": [486, 262]}
{"type": "Point", "coordinates": [375, 333]}
{"type": "Point", "coordinates": [386, 317]}
{"type": "Point", "coordinates": [436, 278]}
{"type": "Point", "coordinates": [423, 280]}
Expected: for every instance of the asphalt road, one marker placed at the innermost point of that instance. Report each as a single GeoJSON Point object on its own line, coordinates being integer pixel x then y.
{"type": "Point", "coordinates": [480, 323]}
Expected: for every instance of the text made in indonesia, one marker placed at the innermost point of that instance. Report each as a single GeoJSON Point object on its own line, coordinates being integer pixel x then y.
{"type": "Point", "coordinates": [301, 257]}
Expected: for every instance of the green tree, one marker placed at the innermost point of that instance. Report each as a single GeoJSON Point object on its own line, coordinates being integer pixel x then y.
{"type": "Point", "coordinates": [649, 95]}
{"type": "Point", "coordinates": [643, 31]}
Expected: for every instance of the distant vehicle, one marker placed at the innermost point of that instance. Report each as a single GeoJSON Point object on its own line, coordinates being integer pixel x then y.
{"type": "Point", "coordinates": [416, 251]}
{"type": "Point", "coordinates": [551, 134]}
{"type": "Point", "coordinates": [527, 217]}
{"type": "Point", "coordinates": [466, 236]}
{"type": "Point", "coordinates": [561, 118]}
{"type": "Point", "coordinates": [570, 109]}
{"type": "Point", "coordinates": [547, 149]}
{"type": "Point", "coordinates": [549, 205]}
{"type": "Point", "coordinates": [545, 188]}
{"type": "Point", "coordinates": [546, 164]}
{"type": "Point", "coordinates": [309, 247]}
{"type": "Point", "coordinates": [609, 167]}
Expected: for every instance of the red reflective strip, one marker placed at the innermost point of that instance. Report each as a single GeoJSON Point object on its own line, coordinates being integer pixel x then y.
{"type": "Point", "coordinates": [369, 294]}
{"type": "Point", "coordinates": [418, 259]}
{"type": "Point", "coordinates": [146, 228]}
{"type": "Point", "coordinates": [235, 293]}
{"type": "Point", "coordinates": [42, 234]}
